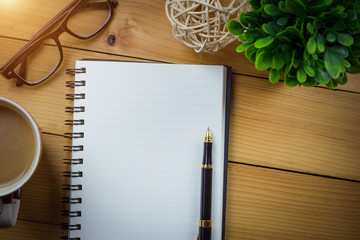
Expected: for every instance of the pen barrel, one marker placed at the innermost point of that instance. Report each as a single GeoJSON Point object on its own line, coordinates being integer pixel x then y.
{"type": "Point", "coordinates": [206, 192]}
{"type": "Point", "coordinates": [204, 233]}
{"type": "Point", "coordinates": [207, 156]}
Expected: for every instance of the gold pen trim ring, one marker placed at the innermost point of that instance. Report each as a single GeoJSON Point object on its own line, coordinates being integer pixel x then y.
{"type": "Point", "coordinates": [207, 166]}
{"type": "Point", "coordinates": [205, 223]}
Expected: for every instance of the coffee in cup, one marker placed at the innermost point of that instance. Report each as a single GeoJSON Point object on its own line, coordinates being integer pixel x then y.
{"type": "Point", "coordinates": [20, 152]}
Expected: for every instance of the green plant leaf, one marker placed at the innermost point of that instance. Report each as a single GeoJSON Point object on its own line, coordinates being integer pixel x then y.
{"type": "Point", "coordinates": [278, 61]}
{"type": "Point", "coordinates": [301, 75]}
{"type": "Point", "coordinates": [275, 27]}
{"type": "Point", "coordinates": [321, 76]}
{"type": "Point", "coordinates": [248, 37]}
{"type": "Point", "coordinates": [332, 64]}
{"type": "Point", "coordinates": [252, 56]}
{"type": "Point", "coordinates": [310, 28]}
{"type": "Point", "coordinates": [332, 84]}
{"type": "Point", "coordinates": [296, 7]}
{"type": "Point", "coordinates": [342, 79]}
{"type": "Point", "coordinates": [255, 4]}
{"type": "Point", "coordinates": [263, 61]}
{"type": "Point", "coordinates": [321, 38]}
{"type": "Point", "coordinates": [320, 6]}
{"type": "Point", "coordinates": [309, 70]}
{"type": "Point", "coordinates": [291, 81]}
{"type": "Point", "coordinates": [282, 21]}
{"type": "Point", "coordinates": [241, 38]}
{"type": "Point", "coordinates": [250, 53]}
{"type": "Point", "coordinates": [320, 45]}
{"type": "Point", "coordinates": [284, 40]}
{"type": "Point", "coordinates": [263, 42]}
{"type": "Point", "coordinates": [292, 33]}
{"type": "Point", "coordinates": [338, 26]}
{"type": "Point", "coordinates": [248, 18]}
{"type": "Point", "coordinates": [250, 49]}
{"type": "Point", "coordinates": [282, 7]}
{"type": "Point", "coordinates": [311, 45]}
{"type": "Point", "coordinates": [291, 64]}
{"type": "Point", "coordinates": [306, 55]}
{"type": "Point", "coordinates": [345, 39]}
{"type": "Point", "coordinates": [287, 56]}
{"type": "Point", "coordinates": [274, 76]}
{"type": "Point", "coordinates": [340, 51]}
{"type": "Point", "coordinates": [243, 47]}
{"type": "Point", "coordinates": [315, 56]}
{"type": "Point", "coordinates": [268, 29]}
{"type": "Point", "coordinates": [310, 82]}
{"type": "Point", "coordinates": [296, 63]}
{"type": "Point", "coordinates": [272, 10]}
{"type": "Point", "coordinates": [345, 62]}
{"type": "Point", "coordinates": [235, 27]}
{"type": "Point", "coordinates": [331, 37]}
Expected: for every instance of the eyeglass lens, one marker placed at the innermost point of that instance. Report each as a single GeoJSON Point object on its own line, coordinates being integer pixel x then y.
{"type": "Point", "coordinates": [40, 62]}
{"type": "Point", "coordinates": [89, 19]}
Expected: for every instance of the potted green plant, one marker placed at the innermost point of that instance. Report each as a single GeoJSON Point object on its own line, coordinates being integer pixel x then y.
{"type": "Point", "coordinates": [303, 42]}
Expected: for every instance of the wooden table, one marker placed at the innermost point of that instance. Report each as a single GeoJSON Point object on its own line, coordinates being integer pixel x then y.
{"type": "Point", "coordinates": [294, 157]}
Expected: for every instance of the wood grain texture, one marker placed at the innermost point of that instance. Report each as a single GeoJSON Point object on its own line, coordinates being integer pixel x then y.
{"type": "Point", "coordinates": [141, 29]}
{"type": "Point", "coordinates": [310, 130]}
{"type": "Point", "coordinates": [27, 230]}
{"type": "Point", "coordinates": [42, 195]}
{"type": "Point", "coordinates": [270, 204]}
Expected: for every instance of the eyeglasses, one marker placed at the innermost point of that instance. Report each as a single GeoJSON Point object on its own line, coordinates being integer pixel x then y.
{"type": "Point", "coordinates": [82, 19]}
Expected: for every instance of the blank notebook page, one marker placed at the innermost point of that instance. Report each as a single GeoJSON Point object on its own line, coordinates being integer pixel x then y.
{"type": "Point", "coordinates": [144, 129]}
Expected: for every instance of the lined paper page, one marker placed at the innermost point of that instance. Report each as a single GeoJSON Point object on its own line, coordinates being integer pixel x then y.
{"type": "Point", "coordinates": [143, 146]}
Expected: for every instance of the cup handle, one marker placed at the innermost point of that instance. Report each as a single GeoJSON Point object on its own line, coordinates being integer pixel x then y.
{"type": "Point", "coordinates": [9, 209]}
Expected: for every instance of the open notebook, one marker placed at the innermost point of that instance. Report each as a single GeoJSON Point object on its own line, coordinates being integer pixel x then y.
{"type": "Point", "coordinates": [138, 145]}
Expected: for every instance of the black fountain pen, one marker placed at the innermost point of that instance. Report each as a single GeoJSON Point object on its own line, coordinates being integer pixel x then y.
{"type": "Point", "coordinates": [205, 223]}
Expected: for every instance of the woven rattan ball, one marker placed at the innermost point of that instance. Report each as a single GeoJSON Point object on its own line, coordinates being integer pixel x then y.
{"type": "Point", "coordinates": [201, 24]}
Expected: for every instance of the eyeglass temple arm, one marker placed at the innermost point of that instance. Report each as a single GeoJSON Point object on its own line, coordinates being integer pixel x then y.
{"type": "Point", "coordinates": [45, 29]}
{"type": "Point", "coordinates": [101, 5]}
{"type": "Point", "coordinates": [22, 71]}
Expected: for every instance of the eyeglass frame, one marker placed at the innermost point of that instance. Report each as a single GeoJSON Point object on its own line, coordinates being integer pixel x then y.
{"type": "Point", "coordinates": [48, 32]}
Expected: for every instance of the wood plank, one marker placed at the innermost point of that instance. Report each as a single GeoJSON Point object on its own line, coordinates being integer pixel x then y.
{"type": "Point", "coordinates": [41, 196]}
{"type": "Point", "coordinates": [25, 230]}
{"type": "Point", "coordinates": [133, 22]}
{"type": "Point", "coordinates": [271, 204]}
{"type": "Point", "coordinates": [311, 130]}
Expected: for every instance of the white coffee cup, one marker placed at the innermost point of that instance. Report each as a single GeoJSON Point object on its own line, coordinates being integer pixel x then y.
{"type": "Point", "coordinates": [15, 121]}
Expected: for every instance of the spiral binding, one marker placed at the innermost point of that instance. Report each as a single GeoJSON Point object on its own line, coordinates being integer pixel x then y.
{"type": "Point", "coordinates": [75, 109]}
{"type": "Point", "coordinates": [73, 84]}
{"type": "Point", "coordinates": [73, 71]}
{"type": "Point", "coordinates": [75, 96]}
{"type": "Point", "coordinates": [73, 161]}
{"type": "Point", "coordinates": [75, 122]}
{"type": "Point", "coordinates": [73, 148]}
{"type": "Point", "coordinates": [74, 135]}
